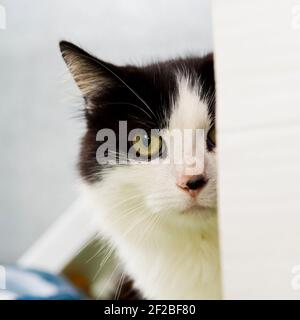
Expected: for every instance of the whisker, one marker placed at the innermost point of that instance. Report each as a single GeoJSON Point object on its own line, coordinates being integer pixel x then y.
{"type": "Point", "coordinates": [103, 262]}
{"type": "Point", "coordinates": [119, 287]}
{"type": "Point", "coordinates": [125, 84]}
{"type": "Point", "coordinates": [131, 104]}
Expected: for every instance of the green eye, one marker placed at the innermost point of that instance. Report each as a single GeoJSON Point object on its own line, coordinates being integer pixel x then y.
{"type": "Point", "coordinates": [147, 146]}
{"type": "Point", "coordinates": [211, 136]}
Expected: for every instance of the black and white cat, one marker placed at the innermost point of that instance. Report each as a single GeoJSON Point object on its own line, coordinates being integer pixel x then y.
{"type": "Point", "coordinates": [161, 220]}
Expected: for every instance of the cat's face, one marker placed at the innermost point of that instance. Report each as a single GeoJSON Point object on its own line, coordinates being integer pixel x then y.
{"type": "Point", "coordinates": [175, 97]}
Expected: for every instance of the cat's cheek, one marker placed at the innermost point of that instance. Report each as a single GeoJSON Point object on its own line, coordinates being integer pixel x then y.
{"type": "Point", "coordinates": [208, 197]}
{"type": "Point", "coordinates": [163, 206]}
{"type": "Point", "coordinates": [153, 204]}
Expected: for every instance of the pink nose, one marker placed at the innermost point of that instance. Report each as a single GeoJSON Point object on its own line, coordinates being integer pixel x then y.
{"type": "Point", "coordinates": [191, 184]}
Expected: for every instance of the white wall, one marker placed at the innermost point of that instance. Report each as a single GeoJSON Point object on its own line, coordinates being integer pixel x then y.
{"type": "Point", "coordinates": [258, 147]}
{"type": "Point", "coordinates": [38, 132]}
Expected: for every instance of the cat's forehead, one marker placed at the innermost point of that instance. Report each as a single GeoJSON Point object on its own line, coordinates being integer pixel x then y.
{"type": "Point", "coordinates": [189, 109]}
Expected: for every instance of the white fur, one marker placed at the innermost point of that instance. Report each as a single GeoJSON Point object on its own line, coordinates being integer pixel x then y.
{"type": "Point", "coordinates": [168, 253]}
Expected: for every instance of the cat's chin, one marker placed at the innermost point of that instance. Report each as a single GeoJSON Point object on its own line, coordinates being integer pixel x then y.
{"type": "Point", "coordinates": [196, 217]}
{"type": "Point", "coordinates": [192, 216]}
{"type": "Point", "coordinates": [189, 209]}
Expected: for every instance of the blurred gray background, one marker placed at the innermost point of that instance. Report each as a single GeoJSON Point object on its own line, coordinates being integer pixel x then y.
{"type": "Point", "coordinates": [39, 129]}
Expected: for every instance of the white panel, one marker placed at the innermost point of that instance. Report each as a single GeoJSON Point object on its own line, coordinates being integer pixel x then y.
{"type": "Point", "coordinates": [257, 51]}
{"type": "Point", "coordinates": [70, 233]}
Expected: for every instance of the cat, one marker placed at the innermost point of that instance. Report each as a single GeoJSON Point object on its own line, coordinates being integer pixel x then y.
{"type": "Point", "coordinates": [161, 219]}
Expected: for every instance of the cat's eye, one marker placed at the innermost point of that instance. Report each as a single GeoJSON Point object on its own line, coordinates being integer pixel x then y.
{"type": "Point", "coordinates": [211, 137]}
{"type": "Point", "coordinates": [147, 146]}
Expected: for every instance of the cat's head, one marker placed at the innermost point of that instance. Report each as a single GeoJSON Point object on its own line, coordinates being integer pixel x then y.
{"type": "Point", "coordinates": [123, 104]}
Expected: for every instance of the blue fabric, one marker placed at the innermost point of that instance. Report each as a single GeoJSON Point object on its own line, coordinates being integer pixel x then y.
{"type": "Point", "coordinates": [31, 284]}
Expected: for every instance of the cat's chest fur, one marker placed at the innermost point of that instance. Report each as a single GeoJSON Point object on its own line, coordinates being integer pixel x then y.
{"type": "Point", "coordinates": [164, 260]}
{"type": "Point", "coordinates": [178, 267]}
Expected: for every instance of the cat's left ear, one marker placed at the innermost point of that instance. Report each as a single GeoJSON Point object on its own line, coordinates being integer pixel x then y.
{"type": "Point", "coordinates": [91, 75]}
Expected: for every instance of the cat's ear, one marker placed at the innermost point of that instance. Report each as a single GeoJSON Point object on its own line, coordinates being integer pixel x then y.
{"type": "Point", "coordinates": [90, 74]}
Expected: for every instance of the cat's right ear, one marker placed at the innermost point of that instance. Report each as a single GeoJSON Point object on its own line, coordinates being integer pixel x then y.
{"type": "Point", "coordinates": [90, 74]}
